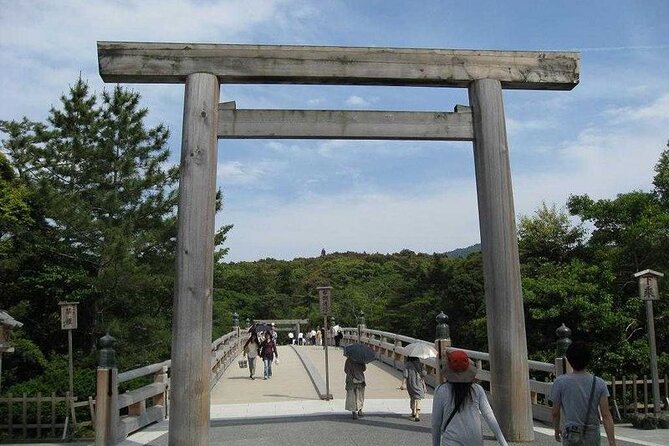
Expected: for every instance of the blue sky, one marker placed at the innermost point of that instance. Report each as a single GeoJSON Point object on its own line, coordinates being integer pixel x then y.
{"type": "Point", "coordinates": [291, 198]}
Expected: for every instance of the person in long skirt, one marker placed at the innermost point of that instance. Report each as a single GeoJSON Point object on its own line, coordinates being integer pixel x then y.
{"type": "Point", "coordinates": [355, 387]}
{"type": "Point", "coordinates": [251, 352]}
{"type": "Point", "coordinates": [459, 404]}
{"type": "Point", "coordinates": [414, 377]}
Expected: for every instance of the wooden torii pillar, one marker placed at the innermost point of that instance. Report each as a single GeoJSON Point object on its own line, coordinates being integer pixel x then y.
{"type": "Point", "coordinates": [202, 67]}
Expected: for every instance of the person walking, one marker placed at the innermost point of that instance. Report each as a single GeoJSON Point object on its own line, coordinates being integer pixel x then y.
{"type": "Point", "coordinates": [414, 378]}
{"type": "Point", "coordinates": [250, 349]}
{"type": "Point", "coordinates": [300, 338]}
{"type": "Point", "coordinates": [337, 335]}
{"type": "Point", "coordinates": [577, 396]}
{"type": "Point", "coordinates": [268, 352]}
{"type": "Point", "coordinates": [355, 387]}
{"type": "Point", "coordinates": [319, 336]}
{"type": "Point", "coordinates": [458, 405]}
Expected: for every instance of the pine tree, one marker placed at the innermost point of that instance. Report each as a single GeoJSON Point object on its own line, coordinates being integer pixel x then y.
{"type": "Point", "coordinates": [109, 200]}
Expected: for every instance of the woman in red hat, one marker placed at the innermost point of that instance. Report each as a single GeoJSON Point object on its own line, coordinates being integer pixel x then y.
{"type": "Point", "coordinates": [459, 404]}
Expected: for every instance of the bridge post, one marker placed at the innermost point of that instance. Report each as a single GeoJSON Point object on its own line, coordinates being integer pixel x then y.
{"type": "Point", "coordinates": [509, 370]}
{"type": "Point", "coordinates": [235, 328]}
{"type": "Point", "coordinates": [361, 325]}
{"type": "Point", "coordinates": [441, 344]}
{"type": "Point", "coordinates": [106, 395]}
{"type": "Point", "coordinates": [191, 321]}
{"type": "Point", "coordinates": [562, 366]}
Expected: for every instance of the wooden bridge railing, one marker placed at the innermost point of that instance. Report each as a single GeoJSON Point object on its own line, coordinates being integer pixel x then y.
{"type": "Point", "coordinates": [119, 415]}
{"type": "Point", "coordinates": [390, 350]}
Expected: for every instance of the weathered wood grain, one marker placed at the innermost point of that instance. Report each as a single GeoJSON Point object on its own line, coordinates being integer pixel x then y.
{"type": "Point", "coordinates": [191, 321]}
{"type": "Point", "coordinates": [337, 124]}
{"type": "Point", "coordinates": [501, 267]}
{"type": "Point", "coordinates": [144, 62]}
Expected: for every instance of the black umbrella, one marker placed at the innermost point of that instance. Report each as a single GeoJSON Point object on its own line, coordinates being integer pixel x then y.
{"type": "Point", "coordinates": [359, 353]}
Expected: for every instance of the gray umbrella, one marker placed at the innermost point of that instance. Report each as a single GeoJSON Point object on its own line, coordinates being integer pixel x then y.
{"type": "Point", "coordinates": [420, 350]}
{"type": "Point", "coordinates": [359, 353]}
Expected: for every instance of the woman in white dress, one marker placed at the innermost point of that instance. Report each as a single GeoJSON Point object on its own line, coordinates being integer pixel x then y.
{"type": "Point", "coordinates": [458, 405]}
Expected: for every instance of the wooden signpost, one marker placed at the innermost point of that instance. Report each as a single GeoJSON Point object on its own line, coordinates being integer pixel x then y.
{"type": "Point", "coordinates": [68, 321]}
{"type": "Point", "coordinates": [648, 292]}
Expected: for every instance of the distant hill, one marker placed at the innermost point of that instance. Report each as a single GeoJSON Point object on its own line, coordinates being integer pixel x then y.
{"type": "Point", "coordinates": [464, 252]}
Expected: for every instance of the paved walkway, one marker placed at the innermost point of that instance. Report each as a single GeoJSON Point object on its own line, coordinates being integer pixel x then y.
{"type": "Point", "coordinates": [378, 428]}
{"type": "Point", "coordinates": [290, 382]}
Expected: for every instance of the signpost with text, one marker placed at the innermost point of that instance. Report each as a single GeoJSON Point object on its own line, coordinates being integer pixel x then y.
{"type": "Point", "coordinates": [648, 292]}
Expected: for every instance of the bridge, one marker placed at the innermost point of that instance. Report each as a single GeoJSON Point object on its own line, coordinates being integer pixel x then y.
{"type": "Point", "coordinates": [289, 408]}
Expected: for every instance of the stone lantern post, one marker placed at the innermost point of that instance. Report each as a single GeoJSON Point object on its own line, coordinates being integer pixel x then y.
{"type": "Point", "coordinates": [441, 344]}
{"type": "Point", "coordinates": [562, 366]}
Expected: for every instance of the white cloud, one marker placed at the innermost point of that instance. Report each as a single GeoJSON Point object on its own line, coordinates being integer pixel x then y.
{"type": "Point", "coordinates": [657, 110]}
{"type": "Point", "coordinates": [45, 45]}
{"type": "Point", "coordinates": [516, 126]}
{"type": "Point", "coordinates": [357, 101]}
{"type": "Point", "coordinates": [359, 221]}
{"type": "Point", "coordinates": [238, 173]}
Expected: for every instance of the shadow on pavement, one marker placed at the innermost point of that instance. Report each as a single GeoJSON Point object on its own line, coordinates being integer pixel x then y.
{"type": "Point", "coordinates": [385, 421]}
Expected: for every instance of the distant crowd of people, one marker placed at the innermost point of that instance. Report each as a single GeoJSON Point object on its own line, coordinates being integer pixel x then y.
{"type": "Point", "coordinates": [317, 336]}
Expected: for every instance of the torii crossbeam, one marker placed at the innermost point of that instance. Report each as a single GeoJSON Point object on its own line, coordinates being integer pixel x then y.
{"type": "Point", "coordinates": [203, 67]}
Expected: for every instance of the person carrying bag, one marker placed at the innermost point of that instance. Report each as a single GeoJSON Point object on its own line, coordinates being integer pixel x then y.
{"type": "Point", "coordinates": [576, 397]}
{"type": "Point", "coordinates": [459, 404]}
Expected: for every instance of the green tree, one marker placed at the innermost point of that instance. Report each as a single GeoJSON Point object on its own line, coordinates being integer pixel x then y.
{"type": "Point", "coordinates": [661, 180]}
{"type": "Point", "coordinates": [106, 198]}
{"type": "Point", "coordinates": [548, 236]}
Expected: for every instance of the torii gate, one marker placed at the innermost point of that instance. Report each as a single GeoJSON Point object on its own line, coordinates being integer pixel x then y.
{"type": "Point", "coordinates": [203, 67]}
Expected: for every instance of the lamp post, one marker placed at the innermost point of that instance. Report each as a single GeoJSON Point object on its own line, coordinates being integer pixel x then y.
{"type": "Point", "coordinates": [648, 291]}
{"type": "Point", "coordinates": [325, 298]}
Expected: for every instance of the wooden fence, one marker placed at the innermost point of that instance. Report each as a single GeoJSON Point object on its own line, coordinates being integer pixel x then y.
{"type": "Point", "coordinates": [42, 416]}
{"type": "Point", "coordinates": [634, 395]}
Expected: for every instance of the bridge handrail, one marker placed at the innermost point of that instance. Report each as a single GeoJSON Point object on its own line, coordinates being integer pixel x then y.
{"type": "Point", "coordinates": [399, 337]}
{"type": "Point", "coordinates": [148, 404]}
{"type": "Point", "coordinates": [392, 353]}
{"type": "Point", "coordinates": [143, 371]}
